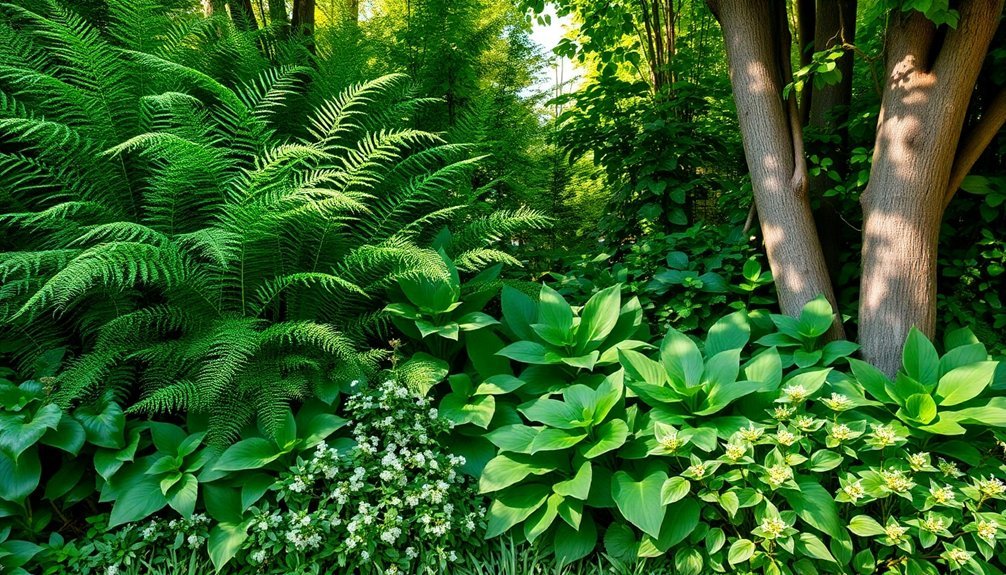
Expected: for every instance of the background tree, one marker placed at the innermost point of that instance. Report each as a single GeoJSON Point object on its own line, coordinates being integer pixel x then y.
{"type": "Point", "coordinates": [932, 65]}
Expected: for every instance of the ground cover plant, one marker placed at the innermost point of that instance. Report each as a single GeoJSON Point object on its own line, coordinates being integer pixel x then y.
{"type": "Point", "coordinates": [317, 286]}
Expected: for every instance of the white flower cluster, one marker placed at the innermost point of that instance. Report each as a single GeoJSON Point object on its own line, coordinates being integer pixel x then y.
{"type": "Point", "coordinates": [395, 485]}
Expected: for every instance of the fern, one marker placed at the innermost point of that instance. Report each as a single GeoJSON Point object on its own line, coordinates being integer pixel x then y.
{"type": "Point", "coordinates": [195, 240]}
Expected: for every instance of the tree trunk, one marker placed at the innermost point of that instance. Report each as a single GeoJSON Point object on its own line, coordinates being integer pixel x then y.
{"type": "Point", "coordinates": [243, 14]}
{"type": "Point", "coordinates": [353, 11]}
{"type": "Point", "coordinates": [757, 43]}
{"type": "Point", "coordinates": [930, 78]}
{"type": "Point", "coordinates": [303, 20]}
{"type": "Point", "coordinates": [214, 7]}
{"type": "Point", "coordinates": [835, 24]}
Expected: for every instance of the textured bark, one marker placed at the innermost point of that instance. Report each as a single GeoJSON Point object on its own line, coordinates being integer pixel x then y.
{"type": "Point", "coordinates": [929, 81]}
{"type": "Point", "coordinates": [835, 23]}
{"type": "Point", "coordinates": [753, 31]}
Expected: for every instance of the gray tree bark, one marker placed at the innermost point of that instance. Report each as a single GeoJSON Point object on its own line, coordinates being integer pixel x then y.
{"type": "Point", "coordinates": [929, 81]}
{"type": "Point", "coordinates": [757, 43]}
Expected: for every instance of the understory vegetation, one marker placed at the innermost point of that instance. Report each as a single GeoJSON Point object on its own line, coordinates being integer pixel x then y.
{"type": "Point", "coordinates": [387, 287]}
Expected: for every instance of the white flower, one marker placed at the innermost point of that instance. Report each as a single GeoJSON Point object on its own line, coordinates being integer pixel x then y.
{"type": "Point", "coordinates": [840, 432]}
{"type": "Point", "coordinates": [773, 527]}
{"type": "Point", "coordinates": [987, 530]}
{"type": "Point", "coordinates": [779, 474]}
{"type": "Point", "coordinates": [896, 480]}
{"type": "Point", "coordinates": [895, 532]}
{"type": "Point", "coordinates": [837, 402]}
{"type": "Point", "coordinates": [751, 433]}
{"type": "Point", "coordinates": [785, 437]}
{"type": "Point", "coordinates": [959, 556]}
{"type": "Point", "coordinates": [112, 570]}
{"type": "Point", "coordinates": [991, 487]}
{"type": "Point", "coordinates": [795, 393]}
{"type": "Point", "coordinates": [884, 435]}
{"type": "Point", "coordinates": [854, 491]}
{"type": "Point", "coordinates": [942, 495]}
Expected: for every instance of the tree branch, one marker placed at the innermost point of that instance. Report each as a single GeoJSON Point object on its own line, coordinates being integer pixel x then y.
{"type": "Point", "coordinates": [975, 142]}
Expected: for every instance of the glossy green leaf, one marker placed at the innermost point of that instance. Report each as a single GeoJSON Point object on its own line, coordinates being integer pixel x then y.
{"type": "Point", "coordinates": [638, 501]}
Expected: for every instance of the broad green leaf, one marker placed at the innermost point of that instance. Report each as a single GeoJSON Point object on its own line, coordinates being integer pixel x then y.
{"type": "Point", "coordinates": [460, 409]}
{"type": "Point", "coordinates": [674, 489]}
{"type": "Point", "coordinates": [904, 387]}
{"type": "Point", "coordinates": [920, 407]}
{"type": "Point", "coordinates": [512, 506]}
{"type": "Point", "coordinates": [104, 423]}
{"type": "Point", "coordinates": [765, 368]}
{"type": "Point", "coordinates": [815, 318]}
{"type": "Point", "coordinates": [530, 352]}
{"type": "Point", "coordinates": [554, 311]}
{"type": "Point", "coordinates": [681, 358]}
{"type": "Point", "coordinates": [579, 485]}
{"type": "Point", "coordinates": [740, 551]}
{"type": "Point", "coordinates": [19, 478]}
{"type": "Point", "coordinates": [919, 358]}
{"type": "Point", "coordinates": [167, 436]}
{"type": "Point", "coordinates": [638, 501]}
{"type": "Point", "coordinates": [499, 385]}
{"type": "Point", "coordinates": [611, 435]}
{"type": "Point", "coordinates": [965, 383]}
{"type": "Point", "coordinates": [730, 332]}
{"type": "Point", "coordinates": [225, 541]}
{"type": "Point", "coordinates": [824, 460]}
{"type": "Point", "coordinates": [507, 469]}
{"type": "Point", "coordinates": [642, 368]}
{"type": "Point", "coordinates": [961, 356]}
{"type": "Point", "coordinates": [519, 312]}
{"type": "Point", "coordinates": [475, 320]}
{"type": "Point", "coordinates": [815, 505]}
{"type": "Point", "coordinates": [19, 431]}
{"type": "Point", "coordinates": [835, 350]}
{"type": "Point", "coordinates": [539, 521]}
{"type": "Point", "coordinates": [250, 453]}
{"type": "Point", "coordinates": [620, 542]}
{"type": "Point", "coordinates": [872, 380]}
{"type": "Point", "coordinates": [69, 436]}
{"type": "Point", "coordinates": [584, 361]}
{"type": "Point", "coordinates": [688, 561]}
{"type": "Point", "coordinates": [182, 497]}
{"type": "Point", "coordinates": [600, 314]}
{"type": "Point", "coordinates": [556, 439]}
{"type": "Point", "coordinates": [319, 428]}
{"type": "Point", "coordinates": [607, 396]}
{"type": "Point", "coordinates": [812, 546]}
{"type": "Point", "coordinates": [866, 526]}
{"type": "Point", "coordinates": [722, 368]}
{"type": "Point", "coordinates": [553, 413]}
{"type": "Point", "coordinates": [516, 438]}
{"type": "Point", "coordinates": [141, 500]}
{"type": "Point", "coordinates": [575, 544]}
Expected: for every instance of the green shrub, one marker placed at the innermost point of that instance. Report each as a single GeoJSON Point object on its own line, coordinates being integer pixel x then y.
{"type": "Point", "coordinates": [751, 450]}
{"type": "Point", "coordinates": [687, 279]}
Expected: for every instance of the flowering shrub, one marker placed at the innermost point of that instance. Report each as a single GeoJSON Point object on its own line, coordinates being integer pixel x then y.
{"type": "Point", "coordinates": [392, 501]}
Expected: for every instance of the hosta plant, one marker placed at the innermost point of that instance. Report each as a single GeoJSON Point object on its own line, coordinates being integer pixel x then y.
{"type": "Point", "coordinates": [727, 455]}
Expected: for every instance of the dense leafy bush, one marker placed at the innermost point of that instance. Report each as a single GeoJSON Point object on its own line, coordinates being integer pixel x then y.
{"type": "Point", "coordinates": [752, 442]}
{"type": "Point", "coordinates": [686, 279]}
